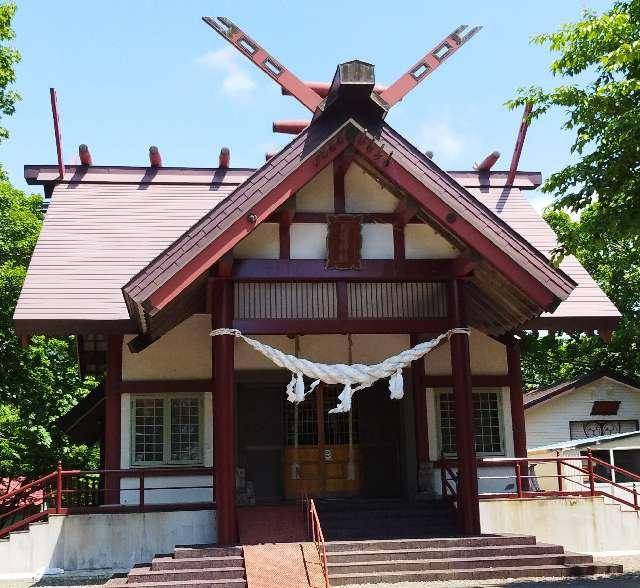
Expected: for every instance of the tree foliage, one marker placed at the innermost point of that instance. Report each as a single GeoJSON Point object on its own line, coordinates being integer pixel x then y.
{"type": "Point", "coordinates": [613, 260]}
{"type": "Point", "coordinates": [599, 58]}
{"type": "Point", "coordinates": [9, 56]}
{"type": "Point", "coordinates": [39, 382]}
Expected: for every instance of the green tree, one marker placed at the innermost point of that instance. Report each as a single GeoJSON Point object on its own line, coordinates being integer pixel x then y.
{"type": "Point", "coordinates": [39, 382]}
{"type": "Point", "coordinates": [613, 260]}
{"type": "Point", "coordinates": [599, 59]}
{"type": "Point", "coordinates": [9, 56]}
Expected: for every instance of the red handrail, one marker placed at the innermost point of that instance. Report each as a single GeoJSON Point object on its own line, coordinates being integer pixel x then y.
{"type": "Point", "coordinates": [317, 537]}
{"type": "Point", "coordinates": [47, 494]}
{"type": "Point", "coordinates": [568, 462]}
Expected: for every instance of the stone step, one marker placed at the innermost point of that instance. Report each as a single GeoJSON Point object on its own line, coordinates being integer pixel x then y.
{"type": "Point", "coordinates": [172, 563]}
{"type": "Point", "coordinates": [442, 553]}
{"type": "Point", "coordinates": [420, 565]}
{"type": "Point", "coordinates": [381, 534]}
{"type": "Point", "coordinates": [474, 574]}
{"type": "Point", "coordinates": [423, 514]}
{"type": "Point", "coordinates": [122, 583]}
{"type": "Point", "coordinates": [196, 551]}
{"type": "Point", "coordinates": [436, 542]}
{"type": "Point", "coordinates": [146, 574]}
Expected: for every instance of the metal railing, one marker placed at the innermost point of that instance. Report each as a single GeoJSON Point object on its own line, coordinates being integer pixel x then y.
{"type": "Point", "coordinates": [315, 533]}
{"type": "Point", "coordinates": [571, 476]}
{"type": "Point", "coordinates": [449, 481]}
{"type": "Point", "coordinates": [63, 492]}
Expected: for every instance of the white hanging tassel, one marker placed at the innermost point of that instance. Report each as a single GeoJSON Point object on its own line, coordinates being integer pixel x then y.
{"type": "Point", "coordinates": [396, 385]}
{"type": "Point", "coordinates": [299, 388]}
{"type": "Point", "coordinates": [291, 397]}
{"type": "Point", "coordinates": [312, 387]}
{"type": "Point", "coordinates": [345, 400]}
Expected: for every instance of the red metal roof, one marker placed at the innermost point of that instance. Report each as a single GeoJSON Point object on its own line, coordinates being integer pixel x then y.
{"type": "Point", "coordinates": [106, 224]}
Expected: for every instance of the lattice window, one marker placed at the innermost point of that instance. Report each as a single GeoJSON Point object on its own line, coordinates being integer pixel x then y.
{"type": "Point", "coordinates": [307, 424]}
{"type": "Point", "coordinates": [487, 422]}
{"type": "Point", "coordinates": [166, 430]}
{"type": "Point", "coordinates": [336, 426]}
{"type": "Point", "coordinates": [149, 430]}
{"type": "Point", "coordinates": [92, 353]}
{"type": "Point", "coordinates": [185, 429]}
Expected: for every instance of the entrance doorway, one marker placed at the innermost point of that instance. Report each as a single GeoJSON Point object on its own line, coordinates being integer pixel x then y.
{"type": "Point", "coordinates": [321, 455]}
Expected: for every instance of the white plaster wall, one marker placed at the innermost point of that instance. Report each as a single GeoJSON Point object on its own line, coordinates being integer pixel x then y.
{"type": "Point", "coordinates": [377, 241]}
{"type": "Point", "coordinates": [433, 425]}
{"type": "Point", "coordinates": [183, 353]}
{"type": "Point", "coordinates": [548, 422]}
{"type": "Point", "coordinates": [247, 358]}
{"type": "Point", "coordinates": [364, 194]}
{"type": "Point", "coordinates": [308, 241]}
{"type": "Point", "coordinates": [488, 357]}
{"type": "Point", "coordinates": [317, 195]}
{"type": "Point", "coordinates": [262, 243]}
{"type": "Point", "coordinates": [423, 242]}
{"type": "Point", "coordinates": [102, 541]}
{"type": "Point", "coordinates": [586, 525]}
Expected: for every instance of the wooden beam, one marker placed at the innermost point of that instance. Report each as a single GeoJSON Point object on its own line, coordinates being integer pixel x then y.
{"type": "Point", "coordinates": [516, 395]}
{"type": "Point", "coordinates": [344, 326]}
{"type": "Point", "coordinates": [406, 209]}
{"type": "Point", "coordinates": [314, 270]}
{"type": "Point", "coordinates": [467, 486]}
{"type": "Point", "coordinates": [112, 418]}
{"type": "Point", "coordinates": [224, 430]}
{"type": "Point", "coordinates": [164, 386]}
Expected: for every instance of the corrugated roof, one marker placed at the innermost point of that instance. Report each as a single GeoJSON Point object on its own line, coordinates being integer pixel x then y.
{"type": "Point", "coordinates": [96, 236]}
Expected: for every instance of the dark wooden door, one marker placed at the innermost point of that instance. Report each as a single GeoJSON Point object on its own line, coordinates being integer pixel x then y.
{"type": "Point", "coordinates": [260, 438]}
{"type": "Point", "coordinates": [380, 442]}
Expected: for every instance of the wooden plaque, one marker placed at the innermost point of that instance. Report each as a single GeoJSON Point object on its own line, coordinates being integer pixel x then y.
{"type": "Point", "coordinates": [344, 241]}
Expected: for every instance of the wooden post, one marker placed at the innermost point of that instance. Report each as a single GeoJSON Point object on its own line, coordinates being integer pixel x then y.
{"type": "Point", "coordinates": [468, 503]}
{"type": "Point", "coordinates": [516, 397]}
{"type": "Point", "coordinates": [420, 411]}
{"type": "Point", "coordinates": [559, 471]}
{"type": "Point", "coordinates": [592, 484]}
{"type": "Point", "coordinates": [59, 488]}
{"type": "Point", "coordinates": [519, 480]}
{"type": "Point", "coordinates": [112, 416]}
{"type": "Point", "coordinates": [224, 413]}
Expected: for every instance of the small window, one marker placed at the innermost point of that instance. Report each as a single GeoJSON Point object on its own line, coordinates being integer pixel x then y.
{"type": "Point", "coordinates": [487, 422]}
{"type": "Point", "coordinates": [605, 407]}
{"type": "Point", "coordinates": [166, 430]}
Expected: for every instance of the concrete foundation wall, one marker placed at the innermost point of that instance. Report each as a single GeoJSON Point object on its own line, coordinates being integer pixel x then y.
{"type": "Point", "coordinates": [102, 541]}
{"type": "Point", "coordinates": [586, 525]}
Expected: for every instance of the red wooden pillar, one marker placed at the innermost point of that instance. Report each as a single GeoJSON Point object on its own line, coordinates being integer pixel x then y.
{"type": "Point", "coordinates": [516, 397]}
{"type": "Point", "coordinates": [224, 417]}
{"type": "Point", "coordinates": [468, 504]}
{"type": "Point", "coordinates": [112, 416]}
{"type": "Point", "coordinates": [422, 432]}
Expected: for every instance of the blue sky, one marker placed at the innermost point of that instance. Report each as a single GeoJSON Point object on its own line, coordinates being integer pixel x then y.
{"type": "Point", "coordinates": [149, 72]}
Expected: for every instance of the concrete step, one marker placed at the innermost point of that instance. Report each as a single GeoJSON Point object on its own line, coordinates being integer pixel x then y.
{"type": "Point", "coordinates": [172, 563]}
{"type": "Point", "coordinates": [442, 553]}
{"type": "Point", "coordinates": [474, 574]}
{"type": "Point", "coordinates": [436, 542]}
{"type": "Point", "coordinates": [420, 565]}
{"type": "Point", "coordinates": [196, 551]}
{"type": "Point", "coordinates": [122, 583]}
{"type": "Point", "coordinates": [146, 574]}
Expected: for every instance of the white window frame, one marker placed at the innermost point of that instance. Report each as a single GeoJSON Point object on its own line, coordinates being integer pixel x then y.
{"type": "Point", "coordinates": [438, 392]}
{"type": "Point", "coordinates": [166, 430]}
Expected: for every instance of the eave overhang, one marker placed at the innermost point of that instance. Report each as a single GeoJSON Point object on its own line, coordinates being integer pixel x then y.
{"type": "Point", "coordinates": [185, 263]}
